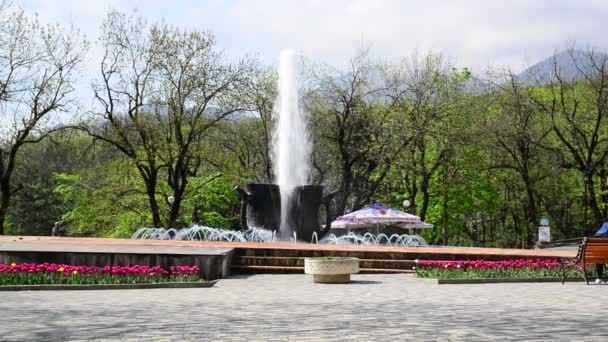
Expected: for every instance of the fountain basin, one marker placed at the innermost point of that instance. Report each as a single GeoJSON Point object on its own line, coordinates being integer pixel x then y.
{"type": "Point", "coordinates": [261, 206]}
{"type": "Point", "coordinates": [331, 270]}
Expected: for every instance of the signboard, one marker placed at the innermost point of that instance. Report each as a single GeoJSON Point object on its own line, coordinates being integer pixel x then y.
{"type": "Point", "coordinates": [544, 221]}
{"type": "Point", "coordinates": [544, 234]}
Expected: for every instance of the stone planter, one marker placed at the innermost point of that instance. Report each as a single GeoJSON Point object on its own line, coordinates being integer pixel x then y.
{"type": "Point", "coordinates": [331, 270]}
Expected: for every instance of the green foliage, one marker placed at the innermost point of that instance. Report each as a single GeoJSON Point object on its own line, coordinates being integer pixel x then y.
{"type": "Point", "coordinates": [212, 201]}
{"type": "Point", "coordinates": [104, 200]}
{"type": "Point", "coordinates": [83, 215]}
{"type": "Point", "coordinates": [482, 167]}
{"type": "Point", "coordinates": [128, 223]}
{"type": "Point", "coordinates": [215, 219]}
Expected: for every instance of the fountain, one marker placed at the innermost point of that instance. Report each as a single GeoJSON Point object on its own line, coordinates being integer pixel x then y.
{"type": "Point", "coordinates": [290, 206]}
{"type": "Point", "coordinates": [289, 209]}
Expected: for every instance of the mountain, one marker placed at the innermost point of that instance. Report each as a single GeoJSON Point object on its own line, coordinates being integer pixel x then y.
{"type": "Point", "coordinates": [572, 65]}
{"type": "Point", "coordinates": [211, 112]}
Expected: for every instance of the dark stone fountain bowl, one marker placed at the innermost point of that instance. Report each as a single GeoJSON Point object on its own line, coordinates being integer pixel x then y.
{"type": "Point", "coordinates": [261, 207]}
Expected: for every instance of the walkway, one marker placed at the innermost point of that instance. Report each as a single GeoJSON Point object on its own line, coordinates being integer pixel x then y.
{"type": "Point", "coordinates": [290, 307]}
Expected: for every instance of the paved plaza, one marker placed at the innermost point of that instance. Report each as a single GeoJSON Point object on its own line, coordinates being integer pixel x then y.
{"type": "Point", "coordinates": [290, 307]}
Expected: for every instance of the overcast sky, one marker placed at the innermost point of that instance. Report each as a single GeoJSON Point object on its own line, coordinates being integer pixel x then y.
{"type": "Point", "coordinates": [470, 33]}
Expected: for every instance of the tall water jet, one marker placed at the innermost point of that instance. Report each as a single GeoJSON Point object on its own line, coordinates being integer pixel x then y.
{"type": "Point", "coordinates": [291, 143]}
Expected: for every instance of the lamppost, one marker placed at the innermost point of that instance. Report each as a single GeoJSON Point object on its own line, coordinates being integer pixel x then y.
{"type": "Point", "coordinates": [170, 200]}
{"type": "Point", "coordinates": [406, 204]}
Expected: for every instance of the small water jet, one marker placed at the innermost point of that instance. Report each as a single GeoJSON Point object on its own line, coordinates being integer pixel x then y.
{"type": "Point", "coordinates": [369, 239]}
{"type": "Point", "coordinates": [256, 234]}
{"type": "Point", "coordinates": [205, 233]}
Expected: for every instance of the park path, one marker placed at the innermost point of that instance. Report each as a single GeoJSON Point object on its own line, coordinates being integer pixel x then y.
{"type": "Point", "coordinates": [290, 307]}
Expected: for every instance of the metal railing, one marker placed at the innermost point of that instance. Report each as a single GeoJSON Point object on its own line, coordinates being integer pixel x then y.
{"type": "Point", "coordinates": [558, 243]}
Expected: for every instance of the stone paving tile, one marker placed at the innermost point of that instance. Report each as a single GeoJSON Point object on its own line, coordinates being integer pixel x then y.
{"type": "Point", "coordinates": [291, 308]}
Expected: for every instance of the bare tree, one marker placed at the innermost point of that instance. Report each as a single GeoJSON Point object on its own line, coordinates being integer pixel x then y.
{"type": "Point", "coordinates": [264, 93]}
{"type": "Point", "coordinates": [161, 90]}
{"type": "Point", "coordinates": [430, 106]}
{"type": "Point", "coordinates": [124, 94]}
{"type": "Point", "coordinates": [578, 108]}
{"type": "Point", "coordinates": [517, 131]}
{"type": "Point", "coordinates": [353, 110]}
{"type": "Point", "coordinates": [37, 63]}
{"type": "Point", "coordinates": [199, 89]}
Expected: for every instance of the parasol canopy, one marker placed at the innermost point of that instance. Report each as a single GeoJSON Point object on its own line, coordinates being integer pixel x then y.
{"type": "Point", "coordinates": [377, 214]}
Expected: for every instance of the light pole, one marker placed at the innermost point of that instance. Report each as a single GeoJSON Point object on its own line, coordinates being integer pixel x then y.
{"type": "Point", "coordinates": [406, 204]}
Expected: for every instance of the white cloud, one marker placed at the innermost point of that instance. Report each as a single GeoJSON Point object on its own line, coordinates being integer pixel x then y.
{"type": "Point", "coordinates": [475, 33]}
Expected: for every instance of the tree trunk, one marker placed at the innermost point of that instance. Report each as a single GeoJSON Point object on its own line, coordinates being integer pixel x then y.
{"type": "Point", "coordinates": [531, 212]}
{"type": "Point", "coordinates": [178, 196]}
{"type": "Point", "coordinates": [595, 209]}
{"type": "Point", "coordinates": [150, 178]}
{"type": "Point", "coordinates": [195, 217]}
{"type": "Point", "coordinates": [151, 192]}
{"type": "Point", "coordinates": [412, 188]}
{"type": "Point", "coordinates": [174, 212]}
{"type": "Point", "coordinates": [5, 197]}
{"type": "Point", "coordinates": [156, 221]}
{"type": "Point", "coordinates": [426, 196]}
{"type": "Point", "coordinates": [345, 189]}
{"type": "Point", "coordinates": [179, 184]}
{"type": "Point", "coordinates": [518, 227]}
{"type": "Point", "coordinates": [445, 212]}
{"type": "Point", "coordinates": [267, 159]}
{"type": "Point", "coordinates": [4, 201]}
{"type": "Point", "coordinates": [604, 192]}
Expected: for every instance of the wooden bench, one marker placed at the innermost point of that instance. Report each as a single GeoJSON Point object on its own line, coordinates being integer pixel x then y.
{"type": "Point", "coordinates": [591, 251]}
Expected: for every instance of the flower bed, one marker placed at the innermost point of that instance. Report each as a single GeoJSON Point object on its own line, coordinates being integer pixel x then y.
{"type": "Point", "coordinates": [53, 274]}
{"type": "Point", "coordinates": [480, 269]}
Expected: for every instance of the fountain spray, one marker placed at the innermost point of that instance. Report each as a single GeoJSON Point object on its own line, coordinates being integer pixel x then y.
{"type": "Point", "coordinates": [291, 142]}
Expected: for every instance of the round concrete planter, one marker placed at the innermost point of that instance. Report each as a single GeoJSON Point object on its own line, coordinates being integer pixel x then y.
{"type": "Point", "coordinates": [331, 270]}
